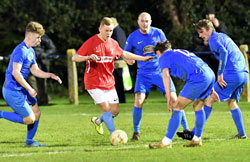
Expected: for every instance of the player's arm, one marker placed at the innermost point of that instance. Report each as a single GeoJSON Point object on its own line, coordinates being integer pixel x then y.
{"type": "Point", "coordinates": [36, 71]}
{"type": "Point", "coordinates": [19, 78]}
{"type": "Point", "coordinates": [222, 65]}
{"type": "Point", "coordinates": [166, 82]}
{"type": "Point", "coordinates": [78, 58]}
{"type": "Point", "coordinates": [130, 56]}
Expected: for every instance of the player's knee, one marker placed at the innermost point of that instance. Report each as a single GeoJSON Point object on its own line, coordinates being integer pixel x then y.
{"type": "Point", "coordinates": [37, 114]}
{"type": "Point", "coordinates": [30, 119]}
{"type": "Point", "coordinates": [232, 104]}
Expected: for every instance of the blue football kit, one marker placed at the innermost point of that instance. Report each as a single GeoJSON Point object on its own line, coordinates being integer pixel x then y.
{"type": "Point", "coordinates": [231, 64]}
{"type": "Point", "coordinates": [149, 73]}
{"type": "Point", "coordinates": [16, 96]}
{"type": "Point", "coordinates": [199, 80]}
{"type": "Point", "coordinates": [191, 69]}
{"type": "Point", "coordinates": [142, 44]}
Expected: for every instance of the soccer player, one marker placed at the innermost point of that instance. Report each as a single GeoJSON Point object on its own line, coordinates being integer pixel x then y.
{"type": "Point", "coordinates": [18, 94]}
{"type": "Point", "coordinates": [232, 72]}
{"type": "Point", "coordinates": [99, 53]}
{"type": "Point", "coordinates": [142, 41]}
{"type": "Point", "coordinates": [199, 80]}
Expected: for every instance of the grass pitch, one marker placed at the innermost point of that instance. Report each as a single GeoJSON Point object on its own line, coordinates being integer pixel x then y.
{"type": "Point", "coordinates": [70, 136]}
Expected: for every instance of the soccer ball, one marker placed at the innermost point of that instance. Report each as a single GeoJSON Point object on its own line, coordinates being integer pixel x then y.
{"type": "Point", "coordinates": [118, 137]}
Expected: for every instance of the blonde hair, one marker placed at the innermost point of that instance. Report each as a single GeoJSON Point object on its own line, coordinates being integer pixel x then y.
{"type": "Point", "coordinates": [35, 27]}
{"type": "Point", "coordinates": [106, 21]}
{"type": "Point", "coordinates": [115, 21]}
{"type": "Point", "coordinates": [204, 23]}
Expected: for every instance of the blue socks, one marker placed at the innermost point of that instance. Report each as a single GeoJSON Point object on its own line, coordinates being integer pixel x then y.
{"type": "Point", "coordinates": [208, 111]}
{"type": "Point", "coordinates": [237, 117]}
{"type": "Point", "coordinates": [174, 124]}
{"type": "Point", "coordinates": [108, 119]}
{"type": "Point", "coordinates": [31, 128]}
{"type": "Point", "coordinates": [200, 119]}
{"type": "Point", "coordinates": [11, 116]}
{"type": "Point", "coordinates": [184, 122]}
{"type": "Point", "coordinates": [137, 113]}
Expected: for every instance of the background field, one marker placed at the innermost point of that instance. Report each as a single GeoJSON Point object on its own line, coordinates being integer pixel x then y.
{"type": "Point", "coordinates": [70, 136]}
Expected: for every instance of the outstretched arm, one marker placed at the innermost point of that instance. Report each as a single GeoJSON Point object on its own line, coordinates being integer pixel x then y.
{"type": "Point", "coordinates": [130, 56]}
{"type": "Point", "coordinates": [79, 58]}
{"type": "Point", "coordinates": [36, 71]}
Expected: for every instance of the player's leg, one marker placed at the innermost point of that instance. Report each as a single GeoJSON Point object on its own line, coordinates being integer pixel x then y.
{"type": "Point", "coordinates": [142, 88]}
{"type": "Point", "coordinates": [237, 117]}
{"type": "Point", "coordinates": [16, 100]}
{"type": "Point", "coordinates": [107, 116]}
{"type": "Point", "coordinates": [104, 99]}
{"type": "Point", "coordinates": [137, 114]}
{"type": "Point", "coordinates": [173, 124]}
{"type": "Point", "coordinates": [32, 127]}
{"type": "Point", "coordinates": [199, 124]}
{"type": "Point", "coordinates": [158, 81]}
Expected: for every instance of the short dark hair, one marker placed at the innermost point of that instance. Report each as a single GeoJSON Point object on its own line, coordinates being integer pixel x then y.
{"type": "Point", "coordinates": [163, 46]}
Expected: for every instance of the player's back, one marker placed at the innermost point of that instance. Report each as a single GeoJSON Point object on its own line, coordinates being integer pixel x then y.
{"type": "Point", "coordinates": [220, 42]}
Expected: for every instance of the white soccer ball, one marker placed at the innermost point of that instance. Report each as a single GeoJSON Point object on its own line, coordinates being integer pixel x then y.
{"type": "Point", "coordinates": [118, 137]}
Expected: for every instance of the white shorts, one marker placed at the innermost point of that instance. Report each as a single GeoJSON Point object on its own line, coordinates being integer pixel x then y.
{"type": "Point", "coordinates": [99, 96]}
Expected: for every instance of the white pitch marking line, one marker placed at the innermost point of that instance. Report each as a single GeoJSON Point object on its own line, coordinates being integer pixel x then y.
{"type": "Point", "coordinates": [106, 149]}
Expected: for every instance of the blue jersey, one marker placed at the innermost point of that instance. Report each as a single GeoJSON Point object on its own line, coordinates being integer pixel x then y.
{"type": "Point", "coordinates": [21, 55]}
{"type": "Point", "coordinates": [184, 65]}
{"type": "Point", "coordinates": [142, 42]}
{"type": "Point", "coordinates": [227, 52]}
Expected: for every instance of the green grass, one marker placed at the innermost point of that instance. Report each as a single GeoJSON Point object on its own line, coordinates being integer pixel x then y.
{"type": "Point", "coordinates": [70, 136]}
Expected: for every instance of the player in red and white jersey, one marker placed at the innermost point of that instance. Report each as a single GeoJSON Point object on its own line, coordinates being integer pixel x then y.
{"type": "Point", "coordinates": [99, 53]}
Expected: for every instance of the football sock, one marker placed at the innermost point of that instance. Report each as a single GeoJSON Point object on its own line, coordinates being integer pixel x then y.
{"type": "Point", "coordinates": [1, 114]}
{"type": "Point", "coordinates": [137, 113]}
{"type": "Point", "coordinates": [184, 122]}
{"type": "Point", "coordinates": [200, 119]}
{"type": "Point", "coordinates": [166, 141]}
{"type": "Point", "coordinates": [31, 128]}
{"type": "Point", "coordinates": [238, 120]}
{"type": "Point", "coordinates": [107, 117]}
{"type": "Point", "coordinates": [174, 124]}
{"type": "Point", "coordinates": [208, 111]}
{"type": "Point", "coordinates": [99, 120]}
{"type": "Point", "coordinates": [12, 116]}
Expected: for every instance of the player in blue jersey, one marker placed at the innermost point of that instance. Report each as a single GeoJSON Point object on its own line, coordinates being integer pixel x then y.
{"type": "Point", "coordinates": [199, 80]}
{"type": "Point", "coordinates": [18, 94]}
{"type": "Point", "coordinates": [232, 72]}
{"type": "Point", "coordinates": [142, 42]}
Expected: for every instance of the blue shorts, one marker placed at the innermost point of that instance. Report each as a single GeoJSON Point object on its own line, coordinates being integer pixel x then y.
{"type": "Point", "coordinates": [19, 101]}
{"type": "Point", "coordinates": [235, 83]}
{"type": "Point", "coordinates": [199, 89]}
{"type": "Point", "coordinates": [144, 82]}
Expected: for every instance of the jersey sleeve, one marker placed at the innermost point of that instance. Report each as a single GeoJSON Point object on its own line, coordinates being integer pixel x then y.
{"type": "Point", "coordinates": [19, 56]}
{"type": "Point", "coordinates": [84, 49]}
{"type": "Point", "coordinates": [34, 57]}
{"type": "Point", "coordinates": [162, 35]}
{"type": "Point", "coordinates": [129, 44]}
{"type": "Point", "coordinates": [118, 50]}
{"type": "Point", "coordinates": [217, 47]}
{"type": "Point", "coordinates": [164, 62]}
